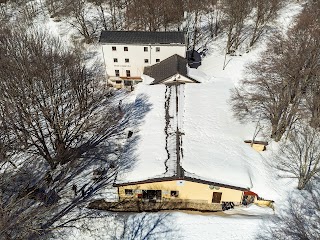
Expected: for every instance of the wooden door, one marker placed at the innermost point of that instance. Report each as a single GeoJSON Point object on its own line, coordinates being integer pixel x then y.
{"type": "Point", "coordinates": [216, 197]}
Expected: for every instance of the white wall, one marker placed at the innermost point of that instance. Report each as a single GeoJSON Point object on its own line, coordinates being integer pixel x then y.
{"type": "Point", "coordinates": [178, 78]}
{"type": "Point", "coordinates": [136, 56]}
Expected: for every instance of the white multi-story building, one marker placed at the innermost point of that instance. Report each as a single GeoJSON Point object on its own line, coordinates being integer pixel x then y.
{"type": "Point", "coordinates": [126, 53]}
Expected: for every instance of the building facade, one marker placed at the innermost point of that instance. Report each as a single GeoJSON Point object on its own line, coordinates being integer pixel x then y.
{"type": "Point", "coordinates": [186, 189]}
{"type": "Point", "coordinates": [187, 193]}
{"type": "Point", "coordinates": [127, 53]}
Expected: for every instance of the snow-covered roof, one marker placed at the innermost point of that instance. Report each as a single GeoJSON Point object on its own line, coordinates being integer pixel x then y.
{"type": "Point", "coordinates": [213, 146]}
{"type": "Point", "coordinates": [146, 146]}
{"type": "Point", "coordinates": [211, 142]}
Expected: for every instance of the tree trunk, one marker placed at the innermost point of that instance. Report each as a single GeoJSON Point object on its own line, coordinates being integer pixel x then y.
{"type": "Point", "coordinates": [301, 183]}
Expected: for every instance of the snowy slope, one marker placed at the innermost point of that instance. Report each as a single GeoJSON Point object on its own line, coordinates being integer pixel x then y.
{"type": "Point", "coordinates": [213, 147]}
{"type": "Point", "coordinates": [179, 225]}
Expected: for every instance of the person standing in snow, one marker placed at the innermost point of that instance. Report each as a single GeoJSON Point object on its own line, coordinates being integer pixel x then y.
{"type": "Point", "coordinates": [74, 188]}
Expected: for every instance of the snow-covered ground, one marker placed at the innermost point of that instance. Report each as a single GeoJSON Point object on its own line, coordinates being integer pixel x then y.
{"type": "Point", "coordinates": [211, 136]}
{"type": "Point", "coordinates": [237, 224]}
{"type": "Point", "coordinates": [209, 227]}
{"type": "Point", "coordinates": [212, 141]}
{"type": "Point", "coordinates": [215, 139]}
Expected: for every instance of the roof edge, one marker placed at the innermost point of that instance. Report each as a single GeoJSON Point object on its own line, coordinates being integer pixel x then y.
{"type": "Point", "coordinates": [170, 43]}
{"type": "Point", "coordinates": [265, 143]}
{"type": "Point", "coordinates": [165, 179]}
{"type": "Point", "coordinates": [178, 58]}
{"type": "Point", "coordinates": [162, 81]}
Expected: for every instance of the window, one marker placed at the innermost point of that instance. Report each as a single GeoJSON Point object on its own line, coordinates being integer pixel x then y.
{"type": "Point", "coordinates": [115, 60]}
{"type": "Point", "coordinates": [128, 192]}
{"type": "Point", "coordinates": [157, 49]}
{"type": "Point", "coordinates": [114, 48]}
{"type": "Point", "coordinates": [174, 193]}
{"type": "Point", "coordinates": [117, 73]}
{"type": "Point", "coordinates": [145, 49]}
{"type": "Point", "coordinates": [126, 60]}
{"type": "Point", "coordinates": [125, 49]}
{"type": "Point", "coordinates": [118, 82]}
{"type": "Point", "coordinates": [157, 60]}
{"type": "Point", "coordinates": [146, 60]}
{"type": "Point", "coordinates": [128, 73]}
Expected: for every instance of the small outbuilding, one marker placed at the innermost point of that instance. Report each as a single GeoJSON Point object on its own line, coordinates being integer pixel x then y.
{"type": "Point", "coordinates": [257, 145]}
{"type": "Point", "coordinates": [194, 58]}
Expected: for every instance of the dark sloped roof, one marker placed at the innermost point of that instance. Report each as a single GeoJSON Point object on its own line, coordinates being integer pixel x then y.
{"type": "Point", "coordinates": [257, 142]}
{"type": "Point", "coordinates": [138, 37]}
{"type": "Point", "coordinates": [167, 68]}
{"type": "Point", "coordinates": [174, 178]}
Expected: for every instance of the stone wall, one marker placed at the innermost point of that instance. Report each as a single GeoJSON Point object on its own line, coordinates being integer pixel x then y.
{"type": "Point", "coordinates": [144, 206]}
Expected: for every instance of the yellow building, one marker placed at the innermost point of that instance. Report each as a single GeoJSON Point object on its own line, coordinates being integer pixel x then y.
{"type": "Point", "coordinates": [184, 189]}
{"type": "Point", "coordinates": [257, 145]}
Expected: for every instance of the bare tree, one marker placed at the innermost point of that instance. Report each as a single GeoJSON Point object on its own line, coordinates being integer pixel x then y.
{"type": "Point", "coordinates": [4, 13]}
{"type": "Point", "coordinates": [312, 103]}
{"type": "Point", "coordinates": [214, 17]}
{"type": "Point", "coordinates": [264, 13]}
{"type": "Point", "coordinates": [282, 87]}
{"type": "Point", "coordinates": [267, 96]}
{"type": "Point", "coordinates": [299, 221]}
{"type": "Point", "coordinates": [55, 106]}
{"type": "Point", "coordinates": [57, 121]}
{"type": "Point", "coordinates": [6, 149]}
{"type": "Point", "coordinates": [27, 10]}
{"type": "Point", "coordinates": [194, 13]}
{"type": "Point", "coordinates": [308, 35]}
{"type": "Point", "coordinates": [125, 226]}
{"type": "Point", "coordinates": [112, 13]}
{"type": "Point", "coordinates": [145, 226]}
{"type": "Point", "coordinates": [299, 156]}
{"type": "Point", "coordinates": [58, 8]}
{"type": "Point", "coordinates": [53, 6]}
{"type": "Point", "coordinates": [153, 15]}
{"type": "Point", "coordinates": [236, 12]}
{"type": "Point", "coordinates": [20, 214]}
{"type": "Point", "coordinates": [81, 19]}
{"type": "Point", "coordinates": [34, 205]}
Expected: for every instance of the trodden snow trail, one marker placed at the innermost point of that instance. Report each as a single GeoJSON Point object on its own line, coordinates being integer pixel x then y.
{"type": "Point", "coordinates": [179, 126]}
{"type": "Point", "coordinates": [170, 130]}
{"type": "Point", "coordinates": [174, 109]}
{"type": "Point", "coordinates": [167, 125]}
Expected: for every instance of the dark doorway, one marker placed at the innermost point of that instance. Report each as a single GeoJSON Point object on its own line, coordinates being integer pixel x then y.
{"type": "Point", "coordinates": [216, 197]}
{"type": "Point", "coordinates": [151, 195]}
